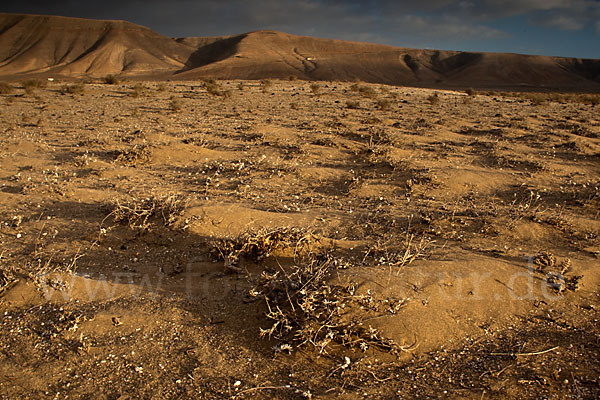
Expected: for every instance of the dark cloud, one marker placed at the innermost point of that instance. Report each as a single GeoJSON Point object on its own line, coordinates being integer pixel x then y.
{"type": "Point", "coordinates": [434, 22]}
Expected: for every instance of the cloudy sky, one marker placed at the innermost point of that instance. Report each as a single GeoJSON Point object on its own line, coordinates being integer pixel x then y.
{"type": "Point", "coordinates": [552, 27]}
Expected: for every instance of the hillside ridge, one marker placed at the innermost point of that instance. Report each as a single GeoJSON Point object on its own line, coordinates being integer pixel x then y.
{"type": "Point", "coordinates": [76, 47]}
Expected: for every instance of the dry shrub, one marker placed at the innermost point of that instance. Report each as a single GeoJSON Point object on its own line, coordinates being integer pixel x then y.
{"type": "Point", "coordinates": [384, 104]}
{"type": "Point", "coordinates": [470, 92]}
{"type": "Point", "coordinates": [215, 89]}
{"type": "Point", "coordinates": [138, 154]}
{"type": "Point", "coordinates": [371, 120]}
{"type": "Point", "coordinates": [144, 214]}
{"type": "Point", "coordinates": [34, 84]}
{"type": "Point", "coordinates": [8, 277]}
{"type": "Point", "coordinates": [110, 80]}
{"type": "Point", "coordinates": [537, 99]}
{"type": "Point", "coordinates": [305, 304]}
{"type": "Point", "coordinates": [353, 105]}
{"type": "Point", "coordinates": [259, 245]}
{"type": "Point", "coordinates": [138, 90]}
{"type": "Point", "coordinates": [41, 269]}
{"type": "Point", "coordinates": [556, 272]}
{"type": "Point", "coordinates": [266, 85]}
{"type": "Point", "coordinates": [5, 88]}
{"type": "Point", "coordinates": [412, 249]}
{"type": "Point", "coordinates": [307, 308]}
{"type": "Point", "coordinates": [433, 99]}
{"type": "Point", "coordinates": [315, 88]}
{"type": "Point", "coordinates": [524, 208]}
{"type": "Point", "coordinates": [76, 88]}
{"type": "Point", "coordinates": [175, 104]}
{"type": "Point", "coordinates": [365, 91]}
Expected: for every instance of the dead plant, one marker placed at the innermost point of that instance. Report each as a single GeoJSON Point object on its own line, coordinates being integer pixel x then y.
{"type": "Point", "coordinates": [138, 154]}
{"type": "Point", "coordinates": [110, 80]}
{"type": "Point", "coordinates": [175, 104]}
{"type": "Point", "coordinates": [397, 259]}
{"type": "Point", "coordinates": [266, 85]}
{"type": "Point", "coordinates": [384, 104]}
{"type": "Point", "coordinates": [5, 88]}
{"type": "Point", "coordinates": [307, 308]}
{"type": "Point", "coordinates": [8, 277]}
{"type": "Point", "coordinates": [526, 208]}
{"type": "Point", "coordinates": [215, 89]}
{"type": "Point", "coordinates": [433, 99]}
{"type": "Point", "coordinates": [258, 245]}
{"type": "Point", "coordinates": [142, 214]}
{"type": "Point", "coordinates": [556, 272]}
{"type": "Point", "coordinates": [77, 88]}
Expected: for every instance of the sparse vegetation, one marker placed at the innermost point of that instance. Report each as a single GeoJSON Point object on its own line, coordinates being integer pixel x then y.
{"type": "Point", "coordinates": [175, 104]}
{"type": "Point", "coordinates": [77, 88]}
{"type": "Point", "coordinates": [137, 155]}
{"type": "Point", "coordinates": [8, 277]}
{"type": "Point", "coordinates": [215, 89]}
{"type": "Point", "coordinates": [470, 92]}
{"type": "Point", "coordinates": [307, 309]}
{"type": "Point", "coordinates": [315, 88]}
{"type": "Point", "coordinates": [32, 85]}
{"type": "Point", "coordinates": [433, 99]}
{"type": "Point", "coordinates": [111, 80]}
{"type": "Point", "coordinates": [536, 99]}
{"type": "Point", "coordinates": [346, 236]}
{"type": "Point", "coordinates": [384, 104]}
{"type": "Point", "coordinates": [5, 88]}
{"type": "Point", "coordinates": [540, 98]}
{"type": "Point", "coordinates": [257, 245]}
{"type": "Point", "coordinates": [352, 104]}
{"type": "Point", "coordinates": [266, 85]}
{"type": "Point", "coordinates": [138, 90]}
{"type": "Point", "coordinates": [146, 214]}
{"type": "Point", "coordinates": [367, 91]}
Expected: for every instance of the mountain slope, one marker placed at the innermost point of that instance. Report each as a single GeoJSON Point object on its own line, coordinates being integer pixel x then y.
{"type": "Point", "coordinates": [264, 54]}
{"type": "Point", "coordinates": [74, 46]}
{"type": "Point", "coordinates": [77, 47]}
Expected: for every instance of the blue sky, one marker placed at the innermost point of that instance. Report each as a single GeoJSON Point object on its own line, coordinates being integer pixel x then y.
{"type": "Point", "coordinates": [569, 28]}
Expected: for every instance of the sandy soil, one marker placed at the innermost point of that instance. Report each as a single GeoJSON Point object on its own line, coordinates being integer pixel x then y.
{"type": "Point", "coordinates": [460, 236]}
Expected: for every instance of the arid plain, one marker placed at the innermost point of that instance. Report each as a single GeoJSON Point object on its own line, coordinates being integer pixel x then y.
{"type": "Point", "coordinates": [294, 239]}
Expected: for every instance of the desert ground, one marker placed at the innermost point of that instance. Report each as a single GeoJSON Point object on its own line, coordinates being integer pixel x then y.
{"type": "Point", "coordinates": [285, 239]}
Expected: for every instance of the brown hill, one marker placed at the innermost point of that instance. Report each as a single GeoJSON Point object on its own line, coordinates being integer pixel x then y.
{"type": "Point", "coordinates": [75, 47]}
{"type": "Point", "coordinates": [264, 54]}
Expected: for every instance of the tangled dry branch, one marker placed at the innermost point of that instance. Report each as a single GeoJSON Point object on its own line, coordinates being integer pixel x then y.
{"type": "Point", "coordinates": [140, 214]}
{"type": "Point", "coordinates": [307, 307]}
